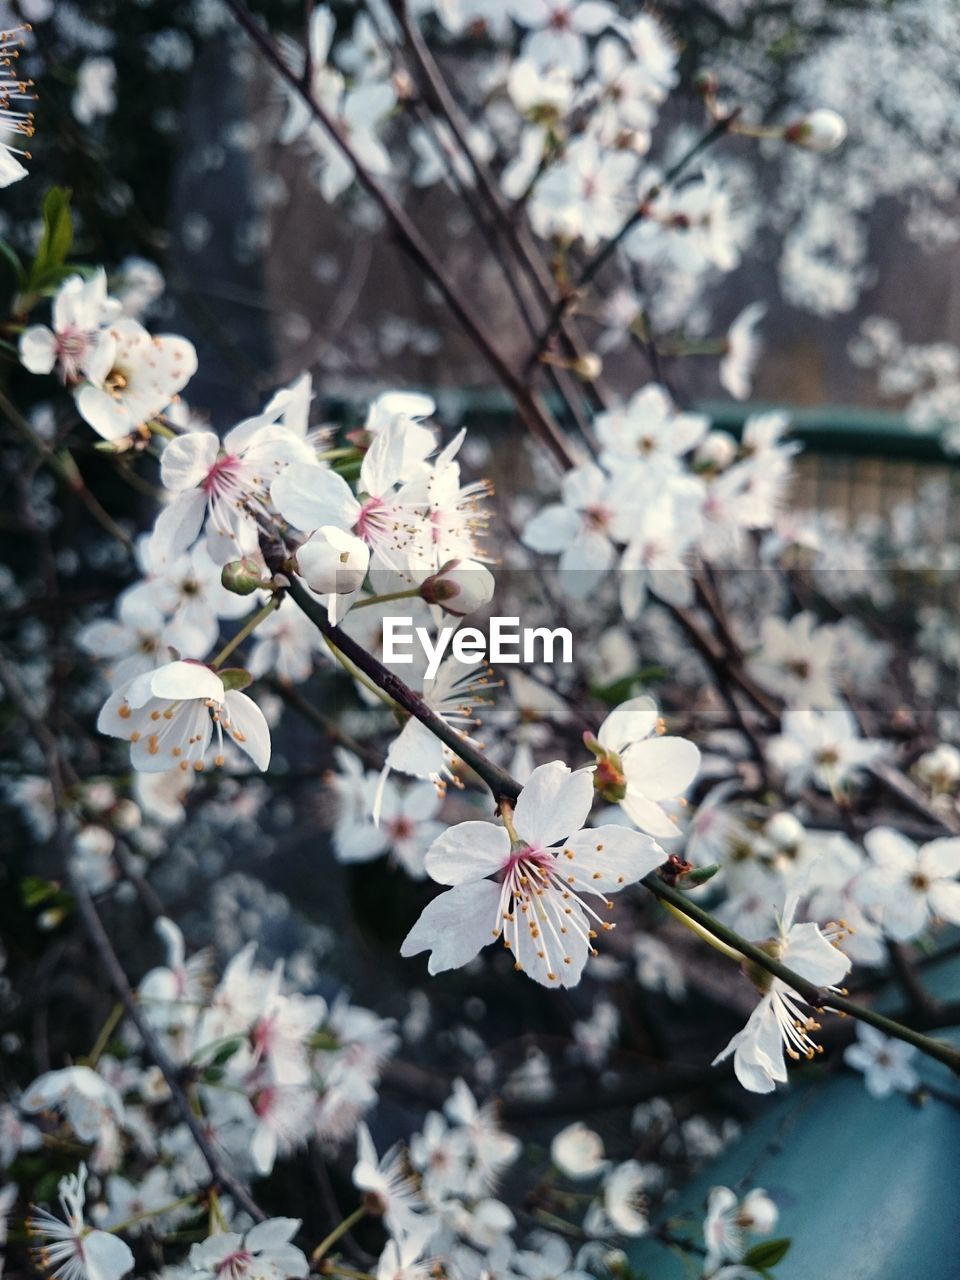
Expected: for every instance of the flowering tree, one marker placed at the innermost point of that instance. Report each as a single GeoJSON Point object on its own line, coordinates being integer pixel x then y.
{"type": "Point", "coordinates": [676, 747]}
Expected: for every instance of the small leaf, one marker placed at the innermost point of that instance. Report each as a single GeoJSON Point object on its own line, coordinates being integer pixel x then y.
{"type": "Point", "coordinates": [12, 259]}
{"type": "Point", "coordinates": [620, 690]}
{"type": "Point", "coordinates": [55, 242]}
{"type": "Point", "coordinates": [766, 1254]}
{"type": "Point", "coordinates": [235, 678]}
{"type": "Point", "coordinates": [36, 891]}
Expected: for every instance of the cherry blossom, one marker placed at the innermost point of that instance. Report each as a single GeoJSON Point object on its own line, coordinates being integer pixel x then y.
{"type": "Point", "coordinates": [539, 905]}
{"type": "Point", "coordinates": [171, 715]}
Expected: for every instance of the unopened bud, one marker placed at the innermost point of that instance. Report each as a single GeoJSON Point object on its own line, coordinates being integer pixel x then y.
{"type": "Point", "coordinates": [242, 577]}
{"type": "Point", "coordinates": [784, 830]}
{"type": "Point", "coordinates": [459, 587]}
{"type": "Point", "coordinates": [716, 451]}
{"type": "Point", "coordinates": [333, 562]}
{"type": "Point", "coordinates": [698, 875]}
{"type": "Point", "coordinates": [821, 130]}
{"type": "Point", "coordinates": [588, 367]}
{"type": "Point", "coordinates": [706, 84]}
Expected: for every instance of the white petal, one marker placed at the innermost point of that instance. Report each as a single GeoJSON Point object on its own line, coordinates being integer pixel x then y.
{"type": "Point", "coordinates": [455, 926]}
{"type": "Point", "coordinates": [608, 858]}
{"type": "Point", "coordinates": [271, 1234]}
{"type": "Point", "coordinates": [813, 957]}
{"type": "Point", "coordinates": [312, 496]}
{"type": "Point", "coordinates": [553, 804]}
{"type": "Point", "coordinates": [177, 526]}
{"type": "Point", "coordinates": [107, 416]}
{"type": "Point", "coordinates": [248, 728]}
{"type": "Point", "coordinates": [551, 530]}
{"type": "Point", "coordinates": [181, 681]}
{"type": "Point", "coordinates": [632, 721]}
{"type": "Point", "coordinates": [661, 768]}
{"type": "Point", "coordinates": [468, 851]}
{"type": "Point", "coordinates": [106, 1257]}
{"type": "Point", "coordinates": [187, 459]}
{"type": "Point", "coordinates": [38, 349]}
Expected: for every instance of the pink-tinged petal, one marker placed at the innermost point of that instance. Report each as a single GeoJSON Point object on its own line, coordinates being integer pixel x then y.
{"type": "Point", "coordinates": [554, 804]}
{"type": "Point", "coordinates": [632, 721]}
{"type": "Point", "coordinates": [38, 349]}
{"type": "Point", "coordinates": [182, 681]}
{"type": "Point", "coordinates": [455, 926]}
{"type": "Point", "coordinates": [469, 851]}
{"type": "Point", "coordinates": [310, 496]}
{"type": "Point", "coordinates": [661, 768]}
{"type": "Point", "coordinates": [105, 1256]}
{"type": "Point", "coordinates": [178, 526]}
{"type": "Point", "coordinates": [247, 726]}
{"type": "Point", "coordinates": [609, 858]}
{"type": "Point", "coordinates": [187, 460]}
{"type": "Point", "coordinates": [940, 858]}
{"type": "Point", "coordinates": [944, 899]}
{"type": "Point", "coordinates": [809, 953]}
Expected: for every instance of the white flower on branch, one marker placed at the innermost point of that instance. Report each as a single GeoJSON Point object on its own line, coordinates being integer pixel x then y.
{"type": "Point", "coordinates": [132, 377]}
{"type": "Point", "coordinates": [171, 715]}
{"type": "Point", "coordinates": [263, 1253]}
{"type": "Point", "coordinates": [71, 1250]}
{"type": "Point", "coordinates": [779, 1025]}
{"type": "Point", "coordinates": [539, 903]}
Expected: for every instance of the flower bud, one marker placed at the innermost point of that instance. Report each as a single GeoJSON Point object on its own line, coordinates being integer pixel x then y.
{"type": "Point", "coordinates": [939, 768]}
{"type": "Point", "coordinates": [588, 367]}
{"type": "Point", "coordinates": [459, 587]}
{"type": "Point", "coordinates": [333, 562]}
{"type": "Point", "coordinates": [126, 816]}
{"type": "Point", "coordinates": [784, 830]}
{"type": "Point", "coordinates": [242, 577]}
{"type": "Point", "coordinates": [821, 130]}
{"type": "Point", "coordinates": [716, 451]}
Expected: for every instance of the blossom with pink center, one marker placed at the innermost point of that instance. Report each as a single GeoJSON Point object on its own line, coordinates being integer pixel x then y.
{"type": "Point", "coordinates": [80, 309]}
{"type": "Point", "coordinates": [538, 902]}
{"type": "Point", "coordinates": [226, 483]}
{"type": "Point", "coordinates": [264, 1253]}
{"type": "Point", "coordinates": [71, 1250]}
{"type": "Point", "coordinates": [578, 529]}
{"type": "Point", "coordinates": [388, 515]}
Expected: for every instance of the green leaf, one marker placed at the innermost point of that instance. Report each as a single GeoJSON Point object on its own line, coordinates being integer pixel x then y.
{"type": "Point", "coordinates": [235, 678]}
{"type": "Point", "coordinates": [12, 259]}
{"type": "Point", "coordinates": [36, 891]}
{"type": "Point", "coordinates": [766, 1254]}
{"type": "Point", "coordinates": [55, 242]}
{"type": "Point", "coordinates": [620, 690]}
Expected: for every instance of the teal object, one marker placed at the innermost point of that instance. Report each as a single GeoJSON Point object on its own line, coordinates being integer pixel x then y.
{"type": "Point", "coordinates": [867, 1188]}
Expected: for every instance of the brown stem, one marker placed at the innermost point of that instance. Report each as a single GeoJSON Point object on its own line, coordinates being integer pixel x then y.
{"type": "Point", "coordinates": [530, 408]}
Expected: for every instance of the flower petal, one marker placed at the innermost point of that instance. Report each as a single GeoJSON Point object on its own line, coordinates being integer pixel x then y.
{"type": "Point", "coordinates": [553, 804]}
{"type": "Point", "coordinates": [469, 851]}
{"type": "Point", "coordinates": [455, 926]}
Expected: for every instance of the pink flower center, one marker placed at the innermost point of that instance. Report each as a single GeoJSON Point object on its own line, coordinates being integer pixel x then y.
{"type": "Point", "coordinates": [560, 20]}
{"type": "Point", "coordinates": [221, 475]}
{"type": "Point", "coordinates": [367, 520]}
